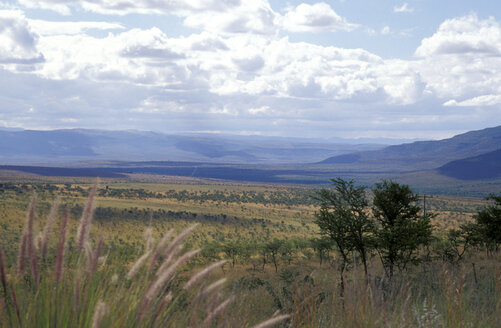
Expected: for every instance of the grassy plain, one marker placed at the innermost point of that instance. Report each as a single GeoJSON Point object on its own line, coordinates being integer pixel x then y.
{"type": "Point", "coordinates": [258, 210]}
{"type": "Point", "coordinates": [433, 294]}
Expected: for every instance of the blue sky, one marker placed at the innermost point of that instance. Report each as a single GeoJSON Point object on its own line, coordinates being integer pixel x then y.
{"type": "Point", "coordinates": [351, 68]}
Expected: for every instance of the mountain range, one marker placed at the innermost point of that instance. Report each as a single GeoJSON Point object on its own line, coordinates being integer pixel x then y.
{"type": "Point", "coordinates": [56, 146]}
{"type": "Point", "coordinates": [424, 155]}
{"type": "Point", "coordinates": [469, 156]}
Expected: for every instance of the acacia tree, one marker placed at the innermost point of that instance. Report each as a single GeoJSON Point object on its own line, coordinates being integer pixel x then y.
{"type": "Point", "coordinates": [402, 229]}
{"type": "Point", "coordinates": [273, 249]}
{"type": "Point", "coordinates": [488, 221]}
{"type": "Point", "coordinates": [322, 246]}
{"type": "Point", "coordinates": [343, 218]}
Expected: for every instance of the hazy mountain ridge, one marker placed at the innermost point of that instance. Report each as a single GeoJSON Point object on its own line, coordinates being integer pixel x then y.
{"type": "Point", "coordinates": [29, 146]}
{"type": "Point", "coordinates": [485, 166]}
{"type": "Point", "coordinates": [422, 155]}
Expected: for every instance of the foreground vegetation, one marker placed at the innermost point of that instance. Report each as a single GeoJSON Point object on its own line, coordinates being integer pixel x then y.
{"type": "Point", "coordinates": [266, 260]}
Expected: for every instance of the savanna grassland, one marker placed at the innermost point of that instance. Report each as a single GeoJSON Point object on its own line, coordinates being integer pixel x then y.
{"type": "Point", "coordinates": [262, 239]}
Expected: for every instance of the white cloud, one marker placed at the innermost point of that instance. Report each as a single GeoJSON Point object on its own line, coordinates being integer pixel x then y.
{"type": "Point", "coordinates": [18, 43]}
{"type": "Point", "coordinates": [238, 67]}
{"type": "Point", "coordinates": [43, 27]}
{"type": "Point", "coordinates": [314, 18]}
{"type": "Point", "coordinates": [221, 16]}
{"type": "Point", "coordinates": [235, 65]}
{"type": "Point", "coordinates": [259, 110]}
{"type": "Point", "coordinates": [124, 7]}
{"type": "Point", "coordinates": [480, 101]}
{"type": "Point", "coordinates": [248, 17]}
{"type": "Point", "coordinates": [403, 8]}
{"type": "Point", "coordinates": [463, 58]}
{"type": "Point", "coordinates": [464, 35]}
{"type": "Point", "coordinates": [385, 30]}
{"type": "Point", "coordinates": [61, 7]}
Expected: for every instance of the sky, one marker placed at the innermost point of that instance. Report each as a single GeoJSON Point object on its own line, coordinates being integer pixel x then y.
{"type": "Point", "coordinates": [342, 68]}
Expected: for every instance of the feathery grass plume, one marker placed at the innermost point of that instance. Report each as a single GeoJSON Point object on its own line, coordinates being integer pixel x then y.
{"type": "Point", "coordinates": [168, 273]}
{"type": "Point", "coordinates": [22, 255]}
{"type": "Point", "coordinates": [272, 321]}
{"type": "Point", "coordinates": [48, 227]}
{"type": "Point", "coordinates": [160, 281]}
{"type": "Point", "coordinates": [32, 254]}
{"type": "Point", "coordinates": [95, 256]}
{"type": "Point", "coordinates": [60, 247]}
{"type": "Point", "coordinates": [214, 286]}
{"type": "Point", "coordinates": [38, 242]}
{"type": "Point", "coordinates": [3, 268]}
{"type": "Point", "coordinates": [148, 237]}
{"type": "Point", "coordinates": [160, 247]}
{"type": "Point", "coordinates": [173, 248]}
{"type": "Point", "coordinates": [179, 238]}
{"type": "Point", "coordinates": [98, 314]}
{"type": "Point", "coordinates": [34, 267]}
{"type": "Point", "coordinates": [200, 275]}
{"type": "Point", "coordinates": [139, 263]}
{"type": "Point", "coordinates": [103, 259]}
{"type": "Point", "coordinates": [168, 260]}
{"type": "Point", "coordinates": [86, 220]}
{"type": "Point", "coordinates": [88, 253]}
{"type": "Point", "coordinates": [26, 246]}
{"type": "Point", "coordinates": [220, 308]}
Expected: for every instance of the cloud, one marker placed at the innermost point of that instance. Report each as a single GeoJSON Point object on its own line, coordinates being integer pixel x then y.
{"type": "Point", "coordinates": [43, 27]}
{"type": "Point", "coordinates": [124, 7]}
{"type": "Point", "coordinates": [463, 58]}
{"type": "Point", "coordinates": [480, 101]}
{"type": "Point", "coordinates": [227, 65]}
{"type": "Point", "coordinates": [239, 73]}
{"type": "Point", "coordinates": [221, 16]}
{"type": "Point", "coordinates": [314, 18]}
{"type": "Point", "coordinates": [464, 35]}
{"type": "Point", "coordinates": [255, 16]}
{"type": "Point", "coordinates": [403, 8]}
{"type": "Point", "coordinates": [18, 43]}
{"type": "Point", "coordinates": [61, 7]}
{"type": "Point", "coordinates": [385, 30]}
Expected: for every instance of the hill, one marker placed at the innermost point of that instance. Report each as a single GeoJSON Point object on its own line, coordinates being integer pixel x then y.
{"type": "Point", "coordinates": [421, 155]}
{"type": "Point", "coordinates": [27, 146]}
{"type": "Point", "coordinates": [486, 166]}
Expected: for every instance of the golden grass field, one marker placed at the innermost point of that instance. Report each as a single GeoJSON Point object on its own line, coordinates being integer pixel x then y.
{"type": "Point", "coordinates": [285, 220]}
{"type": "Point", "coordinates": [433, 294]}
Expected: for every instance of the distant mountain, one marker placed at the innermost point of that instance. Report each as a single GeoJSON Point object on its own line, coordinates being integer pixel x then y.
{"type": "Point", "coordinates": [421, 154]}
{"type": "Point", "coordinates": [56, 146]}
{"type": "Point", "coordinates": [486, 166]}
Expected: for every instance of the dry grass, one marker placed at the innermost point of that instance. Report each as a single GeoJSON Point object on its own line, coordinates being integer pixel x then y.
{"type": "Point", "coordinates": [86, 292]}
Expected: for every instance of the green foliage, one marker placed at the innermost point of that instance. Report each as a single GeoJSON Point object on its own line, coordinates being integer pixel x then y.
{"type": "Point", "coordinates": [322, 247]}
{"type": "Point", "coordinates": [402, 229]}
{"type": "Point", "coordinates": [343, 217]}
{"type": "Point", "coordinates": [489, 223]}
{"type": "Point", "coordinates": [273, 249]}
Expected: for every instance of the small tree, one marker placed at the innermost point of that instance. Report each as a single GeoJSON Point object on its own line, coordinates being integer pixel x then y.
{"type": "Point", "coordinates": [489, 223]}
{"type": "Point", "coordinates": [402, 230]}
{"type": "Point", "coordinates": [343, 218]}
{"type": "Point", "coordinates": [273, 249]}
{"type": "Point", "coordinates": [322, 246]}
{"type": "Point", "coordinates": [231, 250]}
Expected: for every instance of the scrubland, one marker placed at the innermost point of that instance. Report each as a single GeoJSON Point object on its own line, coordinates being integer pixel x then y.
{"type": "Point", "coordinates": [248, 256]}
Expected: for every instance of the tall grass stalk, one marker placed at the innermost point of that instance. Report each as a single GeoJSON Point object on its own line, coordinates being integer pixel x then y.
{"type": "Point", "coordinates": [48, 227]}
{"type": "Point", "coordinates": [78, 292]}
